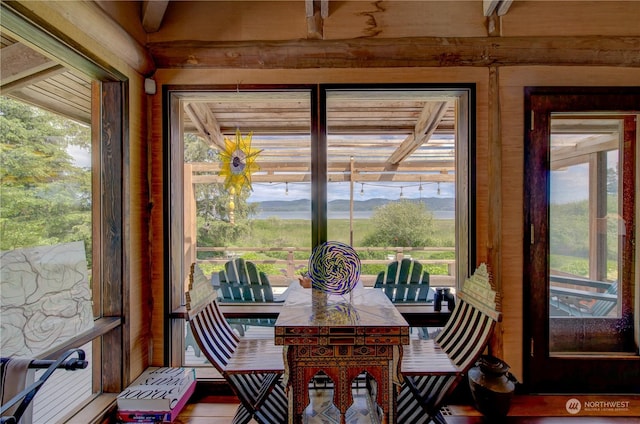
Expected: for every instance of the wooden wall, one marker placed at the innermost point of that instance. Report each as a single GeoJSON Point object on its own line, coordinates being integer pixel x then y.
{"type": "Point", "coordinates": [248, 21]}
{"type": "Point", "coordinates": [512, 81]}
{"type": "Point", "coordinates": [376, 20]}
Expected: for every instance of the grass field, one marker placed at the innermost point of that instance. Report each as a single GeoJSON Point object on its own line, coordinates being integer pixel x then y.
{"type": "Point", "coordinates": [282, 233]}
{"type": "Point", "coordinates": [274, 232]}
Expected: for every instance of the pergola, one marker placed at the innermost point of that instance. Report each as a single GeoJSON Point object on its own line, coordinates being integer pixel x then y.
{"type": "Point", "coordinates": [401, 136]}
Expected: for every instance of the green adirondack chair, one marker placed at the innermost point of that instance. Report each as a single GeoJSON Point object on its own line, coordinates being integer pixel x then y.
{"type": "Point", "coordinates": [240, 281]}
{"type": "Point", "coordinates": [583, 303]}
{"type": "Point", "coordinates": [404, 281]}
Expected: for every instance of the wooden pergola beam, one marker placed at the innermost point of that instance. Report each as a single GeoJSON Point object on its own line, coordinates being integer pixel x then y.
{"type": "Point", "coordinates": [399, 52]}
{"type": "Point", "coordinates": [427, 124]}
{"type": "Point", "coordinates": [333, 178]}
{"type": "Point", "coordinates": [33, 78]}
{"type": "Point", "coordinates": [442, 167]}
{"type": "Point", "coordinates": [570, 155]}
{"type": "Point", "coordinates": [206, 123]}
{"type": "Point", "coordinates": [20, 62]}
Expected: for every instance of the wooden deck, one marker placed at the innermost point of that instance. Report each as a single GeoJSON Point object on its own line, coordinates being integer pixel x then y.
{"type": "Point", "coordinates": [62, 392]}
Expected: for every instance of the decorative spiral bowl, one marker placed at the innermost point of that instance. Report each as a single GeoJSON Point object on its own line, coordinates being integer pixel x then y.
{"type": "Point", "coordinates": [334, 267]}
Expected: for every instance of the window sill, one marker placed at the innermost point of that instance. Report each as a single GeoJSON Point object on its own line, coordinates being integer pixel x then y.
{"type": "Point", "coordinates": [100, 410]}
{"type": "Point", "coordinates": [101, 326]}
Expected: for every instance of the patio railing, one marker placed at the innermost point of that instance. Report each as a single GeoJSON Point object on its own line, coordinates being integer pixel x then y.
{"type": "Point", "coordinates": [290, 266]}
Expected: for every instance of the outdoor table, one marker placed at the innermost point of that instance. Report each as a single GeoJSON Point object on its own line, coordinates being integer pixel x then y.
{"type": "Point", "coordinates": [342, 336]}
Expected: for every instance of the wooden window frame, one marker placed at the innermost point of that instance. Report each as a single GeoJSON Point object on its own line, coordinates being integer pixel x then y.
{"type": "Point", "coordinates": [110, 144]}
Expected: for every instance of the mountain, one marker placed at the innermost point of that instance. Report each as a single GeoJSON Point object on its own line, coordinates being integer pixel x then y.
{"type": "Point", "coordinates": [304, 205]}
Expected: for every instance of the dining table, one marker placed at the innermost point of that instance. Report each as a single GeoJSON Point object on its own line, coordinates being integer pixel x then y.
{"type": "Point", "coordinates": [343, 336]}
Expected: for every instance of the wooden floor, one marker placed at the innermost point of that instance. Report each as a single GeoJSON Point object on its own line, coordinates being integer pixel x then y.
{"type": "Point", "coordinates": [524, 409]}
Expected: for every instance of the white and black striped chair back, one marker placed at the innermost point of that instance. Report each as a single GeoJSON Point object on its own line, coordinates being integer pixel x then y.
{"type": "Point", "coordinates": [261, 393]}
{"type": "Point", "coordinates": [465, 335]}
{"type": "Point", "coordinates": [463, 339]}
{"type": "Point", "coordinates": [213, 334]}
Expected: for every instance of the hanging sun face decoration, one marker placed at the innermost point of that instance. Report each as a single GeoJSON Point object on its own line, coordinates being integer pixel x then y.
{"type": "Point", "coordinates": [238, 162]}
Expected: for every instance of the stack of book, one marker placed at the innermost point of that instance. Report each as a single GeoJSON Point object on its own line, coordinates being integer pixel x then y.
{"type": "Point", "coordinates": [157, 396]}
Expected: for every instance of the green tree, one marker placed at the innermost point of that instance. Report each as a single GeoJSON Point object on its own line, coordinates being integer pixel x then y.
{"type": "Point", "coordinates": [213, 201]}
{"type": "Point", "coordinates": [45, 195]}
{"type": "Point", "coordinates": [404, 223]}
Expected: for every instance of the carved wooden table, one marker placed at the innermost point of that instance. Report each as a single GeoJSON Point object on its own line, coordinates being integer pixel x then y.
{"type": "Point", "coordinates": [341, 335]}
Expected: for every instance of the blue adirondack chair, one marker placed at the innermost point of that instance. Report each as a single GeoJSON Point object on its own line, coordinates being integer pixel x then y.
{"type": "Point", "coordinates": [240, 281]}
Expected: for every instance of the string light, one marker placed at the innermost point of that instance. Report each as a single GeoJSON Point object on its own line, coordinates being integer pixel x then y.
{"type": "Point", "coordinates": [420, 187]}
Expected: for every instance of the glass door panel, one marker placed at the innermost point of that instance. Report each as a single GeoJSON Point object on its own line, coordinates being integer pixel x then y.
{"type": "Point", "coordinates": [585, 230]}
{"type": "Point", "coordinates": [580, 269]}
{"type": "Point", "coordinates": [247, 194]}
{"type": "Point", "coordinates": [391, 177]}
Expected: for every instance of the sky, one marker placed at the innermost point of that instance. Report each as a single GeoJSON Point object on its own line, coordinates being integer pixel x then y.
{"type": "Point", "coordinates": [566, 186]}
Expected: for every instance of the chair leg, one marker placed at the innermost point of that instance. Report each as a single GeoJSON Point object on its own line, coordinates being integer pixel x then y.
{"type": "Point", "coordinates": [423, 333]}
{"type": "Point", "coordinates": [438, 418]}
{"type": "Point", "coordinates": [242, 416]}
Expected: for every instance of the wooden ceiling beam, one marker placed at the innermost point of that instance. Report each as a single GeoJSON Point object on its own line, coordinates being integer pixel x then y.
{"type": "Point", "coordinates": [501, 7]}
{"type": "Point", "coordinates": [399, 52]}
{"type": "Point", "coordinates": [86, 17]}
{"type": "Point", "coordinates": [316, 11]}
{"type": "Point", "coordinates": [152, 14]}
{"type": "Point", "coordinates": [206, 123]}
{"type": "Point", "coordinates": [428, 121]}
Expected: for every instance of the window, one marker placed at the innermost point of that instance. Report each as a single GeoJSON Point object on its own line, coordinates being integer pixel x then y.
{"type": "Point", "coordinates": [46, 239]}
{"type": "Point", "coordinates": [318, 177]}
{"type": "Point", "coordinates": [66, 216]}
